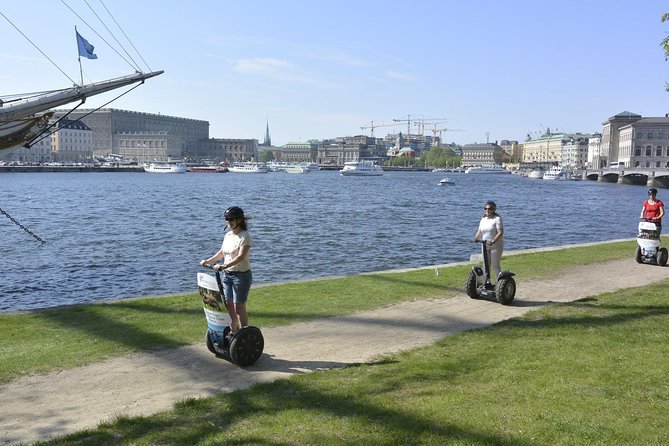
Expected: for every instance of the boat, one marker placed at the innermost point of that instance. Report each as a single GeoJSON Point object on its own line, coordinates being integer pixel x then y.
{"type": "Point", "coordinates": [296, 169]}
{"type": "Point", "coordinates": [249, 167]}
{"type": "Point", "coordinates": [206, 166]}
{"type": "Point", "coordinates": [206, 169]}
{"type": "Point", "coordinates": [446, 182]}
{"type": "Point", "coordinates": [536, 174]}
{"type": "Point", "coordinates": [310, 166]}
{"type": "Point", "coordinates": [486, 170]}
{"type": "Point", "coordinates": [555, 173]}
{"type": "Point", "coordinates": [361, 168]}
{"type": "Point", "coordinates": [165, 167]}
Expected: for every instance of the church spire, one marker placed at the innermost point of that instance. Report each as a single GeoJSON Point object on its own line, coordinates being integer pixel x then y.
{"type": "Point", "coordinates": [268, 139]}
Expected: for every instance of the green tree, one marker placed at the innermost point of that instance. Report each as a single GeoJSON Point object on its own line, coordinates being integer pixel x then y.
{"type": "Point", "coordinates": [665, 45]}
{"type": "Point", "coordinates": [266, 156]}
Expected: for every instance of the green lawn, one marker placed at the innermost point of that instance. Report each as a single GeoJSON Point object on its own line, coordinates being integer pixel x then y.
{"type": "Point", "coordinates": [592, 372]}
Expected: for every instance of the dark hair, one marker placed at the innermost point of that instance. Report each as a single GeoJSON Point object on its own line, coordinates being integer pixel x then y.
{"type": "Point", "coordinates": [652, 191]}
{"type": "Point", "coordinates": [236, 213]}
{"type": "Point", "coordinates": [493, 206]}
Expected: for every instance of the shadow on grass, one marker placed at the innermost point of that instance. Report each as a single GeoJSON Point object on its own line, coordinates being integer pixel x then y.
{"type": "Point", "coordinates": [218, 420]}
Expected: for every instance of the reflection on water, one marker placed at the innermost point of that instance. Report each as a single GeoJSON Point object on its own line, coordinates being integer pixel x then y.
{"type": "Point", "coordinates": [115, 235]}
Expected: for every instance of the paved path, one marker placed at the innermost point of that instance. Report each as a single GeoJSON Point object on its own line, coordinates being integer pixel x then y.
{"type": "Point", "coordinates": [38, 407]}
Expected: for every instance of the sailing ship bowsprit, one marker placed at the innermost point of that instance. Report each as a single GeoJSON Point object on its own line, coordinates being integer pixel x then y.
{"type": "Point", "coordinates": [24, 119]}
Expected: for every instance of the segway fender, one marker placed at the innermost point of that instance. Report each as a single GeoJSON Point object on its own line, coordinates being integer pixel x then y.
{"type": "Point", "coordinates": [478, 271]}
{"type": "Point", "coordinates": [505, 275]}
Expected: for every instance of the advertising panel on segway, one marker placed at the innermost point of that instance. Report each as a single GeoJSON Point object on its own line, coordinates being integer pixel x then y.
{"type": "Point", "coordinates": [648, 245]}
{"type": "Point", "coordinates": [244, 347]}
{"type": "Point", "coordinates": [478, 284]}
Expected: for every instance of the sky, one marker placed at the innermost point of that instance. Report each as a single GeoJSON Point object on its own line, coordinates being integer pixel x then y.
{"type": "Point", "coordinates": [483, 70]}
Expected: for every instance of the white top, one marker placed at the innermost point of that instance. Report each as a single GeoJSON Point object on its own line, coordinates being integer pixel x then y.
{"type": "Point", "coordinates": [232, 243]}
{"type": "Point", "coordinates": [489, 228]}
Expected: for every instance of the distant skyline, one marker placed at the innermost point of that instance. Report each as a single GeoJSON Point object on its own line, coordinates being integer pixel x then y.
{"type": "Point", "coordinates": [490, 70]}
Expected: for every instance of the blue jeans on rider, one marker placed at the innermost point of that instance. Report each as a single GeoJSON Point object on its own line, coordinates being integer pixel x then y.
{"type": "Point", "coordinates": [236, 286]}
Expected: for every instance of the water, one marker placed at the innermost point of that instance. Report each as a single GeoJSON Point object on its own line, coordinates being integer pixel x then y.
{"type": "Point", "coordinates": [118, 235]}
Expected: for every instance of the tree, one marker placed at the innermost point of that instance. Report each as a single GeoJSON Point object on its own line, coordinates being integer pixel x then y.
{"type": "Point", "coordinates": [266, 156]}
{"type": "Point", "coordinates": [665, 44]}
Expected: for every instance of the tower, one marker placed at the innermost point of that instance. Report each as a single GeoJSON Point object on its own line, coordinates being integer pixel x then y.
{"type": "Point", "coordinates": [268, 139]}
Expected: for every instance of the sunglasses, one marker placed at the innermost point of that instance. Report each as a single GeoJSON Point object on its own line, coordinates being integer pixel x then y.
{"type": "Point", "coordinates": [488, 209]}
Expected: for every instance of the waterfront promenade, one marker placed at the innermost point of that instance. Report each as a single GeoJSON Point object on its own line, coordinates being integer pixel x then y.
{"type": "Point", "coordinates": [41, 406]}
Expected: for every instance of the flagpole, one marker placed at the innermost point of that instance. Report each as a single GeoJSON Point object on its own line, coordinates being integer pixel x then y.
{"type": "Point", "coordinates": [81, 70]}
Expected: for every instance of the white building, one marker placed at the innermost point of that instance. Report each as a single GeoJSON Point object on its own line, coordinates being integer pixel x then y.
{"type": "Point", "coordinates": [73, 142]}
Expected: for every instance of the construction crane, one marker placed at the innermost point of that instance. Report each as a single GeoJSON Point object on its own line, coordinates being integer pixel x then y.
{"type": "Point", "coordinates": [435, 130]}
{"type": "Point", "coordinates": [372, 126]}
{"type": "Point", "coordinates": [420, 122]}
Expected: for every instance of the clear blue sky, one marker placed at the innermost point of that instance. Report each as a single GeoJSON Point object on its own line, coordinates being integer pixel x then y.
{"type": "Point", "coordinates": [324, 69]}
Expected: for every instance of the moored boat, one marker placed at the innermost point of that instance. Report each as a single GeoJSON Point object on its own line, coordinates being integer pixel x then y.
{"type": "Point", "coordinates": [165, 167]}
{"type": "Point", "coordinates": [487, 170]}
{"type": "Point", "coordinates": [536, 174]}
{"type": "Point", "coordinates": [361, 168]}
{"type": "Point", "coordinates": [555, 173]}
{"type": "Point", "coordinates": [296, 169]}
{"type": "Point", "coordinates": [249, 167]}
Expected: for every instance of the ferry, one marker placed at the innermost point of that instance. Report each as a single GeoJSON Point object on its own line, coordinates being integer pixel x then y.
{"type": "Point", "coordinates": [555, 173]}
{"type": "Point", "coordinates": [165, 167]}
{"type": "Point", "coordinates": [361, 168]}
{"type": "Point", "coordinates": [487, 170]}
{"type": "Point", "coordinates": [248, 168]}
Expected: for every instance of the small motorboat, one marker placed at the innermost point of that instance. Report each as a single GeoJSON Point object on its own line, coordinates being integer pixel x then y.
{"type": "Point", "coordinates": [446, 182]}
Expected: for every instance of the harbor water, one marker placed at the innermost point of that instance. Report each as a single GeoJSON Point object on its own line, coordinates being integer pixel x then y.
{"type": "Point", "coordinates": [120, 235]}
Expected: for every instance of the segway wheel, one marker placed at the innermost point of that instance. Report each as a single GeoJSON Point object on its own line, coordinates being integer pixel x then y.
{"type": "Point", "coordinates": [247, 346]}
{"type": "Point", "coordinates": [210, 342]}
{"type": "Point", "coordinates": [470, 286]}
{"type": "Point", "coordinates": [662, 255]}
{"type": "Point", "coordinates": [505, 290]}
{"type": "Point", "coordinates": [639, 257]}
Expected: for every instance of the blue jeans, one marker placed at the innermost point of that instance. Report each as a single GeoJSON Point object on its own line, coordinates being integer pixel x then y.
{"type": "Point", "coordinates": [236, 286]}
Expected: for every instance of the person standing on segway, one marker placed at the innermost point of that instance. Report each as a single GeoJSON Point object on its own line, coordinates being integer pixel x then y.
{"type": "Point", "coordinates": [236, 267]}
{"type": "Point", "coordinates": [652, 210]}
{"type": "Point", "coordinates": [491, 230]}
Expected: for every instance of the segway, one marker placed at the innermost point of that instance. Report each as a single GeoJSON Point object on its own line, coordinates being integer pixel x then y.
{"type": "Point", "coordinates": [648, 245]}
{"type": "Point", "coordinates": [244, 347]}
{"type": "Point", "coordinates": [478, 283]}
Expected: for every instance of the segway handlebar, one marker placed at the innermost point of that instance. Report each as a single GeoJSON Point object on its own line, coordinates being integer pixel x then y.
{"type": "Point", "coordinates": [211, 266]}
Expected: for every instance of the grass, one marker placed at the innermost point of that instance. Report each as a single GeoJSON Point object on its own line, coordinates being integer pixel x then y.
{"type": "Point", "coordinates": [42, 341]}
{"type": "Point", "coordinates": [591, 372]}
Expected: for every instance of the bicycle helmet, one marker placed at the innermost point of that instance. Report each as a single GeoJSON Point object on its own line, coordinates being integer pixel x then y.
{"type": "Point", "coordinates": [491, 204]}
{"type": "Point", "coordinates": [652, 191]}
{"type": "Point", "coordinates": [234, 213]}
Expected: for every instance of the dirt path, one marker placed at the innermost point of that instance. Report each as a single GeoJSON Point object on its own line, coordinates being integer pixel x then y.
{"type": "Point", "coordinates": [38, 407]}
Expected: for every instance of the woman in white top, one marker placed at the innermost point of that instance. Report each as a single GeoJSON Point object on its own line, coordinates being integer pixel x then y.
{"type": "Point", "coordinates": [491, 229]}
{"type": "Point", "coordinates": [237, 277]}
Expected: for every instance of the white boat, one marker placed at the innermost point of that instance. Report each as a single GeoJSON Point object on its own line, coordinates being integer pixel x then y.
{"type": "Point", "coordinates": [536, 174]}
{"type": "Point", "coordinates": [296, 169]}
{"type": "Point", "coordinates": [249, 167]}
{"type": "Point", "coordinates": [361, 168]}
{"type": "Point", "coordinates": [555, 173]}
{"type": "Point", "coordinates": [446, 182]}
{"type": "Point", "coordinates": [310, 166]}
{"type": "Point", "coordinates": [487, 170]}
{"type": "Point", "coordinates": [165, 167]}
